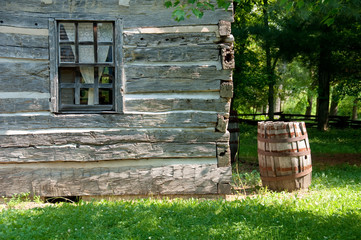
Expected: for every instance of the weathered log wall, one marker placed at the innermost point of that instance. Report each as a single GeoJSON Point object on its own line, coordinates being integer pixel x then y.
{"type": "Point", "coordinates": [171, 136]}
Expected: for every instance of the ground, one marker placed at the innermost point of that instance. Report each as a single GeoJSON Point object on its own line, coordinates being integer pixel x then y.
{"type": "Point", "coordinates": [336, 159]}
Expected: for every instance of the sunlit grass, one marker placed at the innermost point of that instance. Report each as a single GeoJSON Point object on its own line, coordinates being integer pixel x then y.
{"type": "Point", "coordinates": [331, 209]}
{"type": "Point", "coordinates": [333, 141]}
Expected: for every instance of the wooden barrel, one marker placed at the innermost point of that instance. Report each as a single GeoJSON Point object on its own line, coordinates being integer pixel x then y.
{"type": "Point", "coordinates": [284, 155]}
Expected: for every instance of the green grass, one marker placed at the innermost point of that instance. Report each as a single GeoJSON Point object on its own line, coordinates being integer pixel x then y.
{"type": "Point", "coordinates": [334, 141]}
{"type": "Point", "coordinates": [331, 209]}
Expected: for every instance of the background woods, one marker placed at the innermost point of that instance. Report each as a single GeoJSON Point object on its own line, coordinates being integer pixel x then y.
{"type": "Point", "coordinates": [292, 56]}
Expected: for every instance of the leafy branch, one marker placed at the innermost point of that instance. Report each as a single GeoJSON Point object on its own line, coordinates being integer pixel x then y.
{"type": "Point", "coordinates": [186, 8]}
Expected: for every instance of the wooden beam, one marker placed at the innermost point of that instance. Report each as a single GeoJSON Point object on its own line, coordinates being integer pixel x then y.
{"type": "Point", "coordinates": [72, 180]}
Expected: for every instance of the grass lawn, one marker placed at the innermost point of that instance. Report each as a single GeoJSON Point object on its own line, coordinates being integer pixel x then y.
{"type": "Point", "coordinates": [331, 209]}
{"type": "Point", "coordinates": [333, 142]}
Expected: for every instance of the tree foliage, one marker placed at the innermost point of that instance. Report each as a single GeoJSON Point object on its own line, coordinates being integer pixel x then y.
{"type": "Point", "coordinates": [322, 34]}
{"type": "Point", "coordinates": [186, 8]}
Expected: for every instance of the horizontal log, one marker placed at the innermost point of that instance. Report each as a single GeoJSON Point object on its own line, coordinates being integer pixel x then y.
{"type": "Point", "coordinates": [164, 105]}
{"type": "Point", "coordinates": [70, 180]}
{"type": "Point", "coordinates": [140, 13]}
{"type": "Point", "coordinates": [205, 72]}
{"type": "Point", "coordinates": [187, 119]}
{"type": "Point", "coordinates": [12, 105]}
{"type": "Point", "coordinates": [160, 85]}
{"type": "Point", "coordinates": [168, 39]}
{"type": "Point", "coordinates": [23, 19]}
{"type": "Point", "coordinates": [174, 54]}
{"type": "Point", "coordinates": [24, 52]}
{"type": "Point", "coordinates": [97, 152]}
{"type": "Point", "coordinates": [53, 137]}
{"type": "Point", "coordinates": [33, 77]}
{"type": "Point", "coordinates": [164, 18]}
{"type": "Point", "coordinates": [23, 40]}
{"type": "Point", "coordinates": [173, 29]}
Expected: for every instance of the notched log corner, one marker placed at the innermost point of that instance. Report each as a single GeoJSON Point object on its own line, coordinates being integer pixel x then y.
{"type": "Point", "coordinates": [226, 90]}
{"type": "Point", "coordinates": [227, 56]}
{"type": "Point", "coordinates": [224, 28]}
{"type": "Point", "coordinates": [223, 155]}
{"type": "Point", "coordinates": [224, 188]}
{"type": "Point", "coordinates": [222, 123]}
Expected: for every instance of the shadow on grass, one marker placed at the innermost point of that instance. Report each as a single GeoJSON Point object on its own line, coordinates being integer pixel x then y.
{"type": "Point", "coordinates": [263, 217]}
{"type": "Point", "coordinates": [331, 210]}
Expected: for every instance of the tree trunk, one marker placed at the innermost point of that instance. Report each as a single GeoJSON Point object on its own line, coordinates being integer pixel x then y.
{"type": "Point", "coordinates": [334, 107]}
{"type": "Point", "coordinates": [335, 100]}
{"type": "Point", "coordinates": [270, 77]}
{"type": "Point", "coordinates": [309, 106]}
{"type": "Point", "coordinates": [324, 79]}
{"type": "Point", "coordinates": [354, 109]}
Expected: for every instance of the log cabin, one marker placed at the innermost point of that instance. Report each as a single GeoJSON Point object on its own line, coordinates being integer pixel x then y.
{"type": "Point", "coordinates": [113, 98]}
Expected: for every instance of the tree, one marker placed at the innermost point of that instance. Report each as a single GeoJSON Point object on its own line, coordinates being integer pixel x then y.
{"type": "Point", "coordinates": [319, 30]}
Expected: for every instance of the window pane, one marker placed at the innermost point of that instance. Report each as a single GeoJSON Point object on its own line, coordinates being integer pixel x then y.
{"type": "Point", "coordinates": [67, 53]}
{"type": "Point", "coordinates": [67, 75]}
{"type": "Point", "coordinates": [87, 75]}
{"type": "Point", "coordinates": [106, 74]}
{"type": "Point", "coordinates": [67, 96]}
{"type": "Point", "coordinates": [87, 96]}
{"type": "Point", "coordinates": [67, 32]}
{"type": "Point", "coordinates": [105, 54]}
{"type": "Point", "coordinates": [105, 96]}
{"type": "Point", "coordinates": [85, 31]}
{"type": "Point", "coordinates": [105, 32]}
{"type": "Point", "coordinates": [86, 54]}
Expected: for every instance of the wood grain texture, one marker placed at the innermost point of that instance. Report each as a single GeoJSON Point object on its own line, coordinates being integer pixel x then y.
{"type": "Point", "coordinates": [24, 52]}
{"type": "Point", "coordinates": [165, 105]}
{"type": "Point", "coordinates": [140, 13]}
{"type": "Point", "coordinates": [167, 85]}
{"type": "Point", "coordinates": [209, 71]}
{"type": "Point", "coordinates": [162, 120]}
{"type": "Point", "coordinates": [108, 152]}
{"type": "Point", "coordinates": [24, 40]}
{"type": "Point", "coordinates": [23, 19]}
{"type": "Point", "coordinates": [53, 65]}
{"type": "Point", "coordinates": [168, 39]}
{"type": "Point", "coordinates": [14, 105]}
{"type": "Point", "coordinates": [223, 155]}
{"type": "Point", "coordinates": [53, 137]}
{"type": "Point", "coordinates": [279, 172]}
{"type": "Point", "coordinates": [174, 54]}
{"type": "Point", "coordinates": [72, 181]}
{"type": "Point", "coordinates": [226, 90]}
{"type": "Point", "coordinates": [33, 76]}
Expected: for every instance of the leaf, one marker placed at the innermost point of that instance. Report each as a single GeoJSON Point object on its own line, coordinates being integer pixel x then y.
{"type": "Point", "coordinates": [197, 13]}
{"type": "Point", "coordinates": [178, 15]}
{"type": "Point", "coordinates": [300, 4]}
{"type": "Point", "coordinates": [168, 4]}
{"type": "Point", "coordinates": [329, 21]}
{"type": "Point", "coordinates": [223, 4]}
{"type": "Point", "coordinates": [176, 3]}
{"type": "Point", "coordinates": [209, 6]}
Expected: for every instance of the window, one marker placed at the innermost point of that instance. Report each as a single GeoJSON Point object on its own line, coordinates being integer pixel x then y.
{"type": "Point", "coordinates": [86, 66]}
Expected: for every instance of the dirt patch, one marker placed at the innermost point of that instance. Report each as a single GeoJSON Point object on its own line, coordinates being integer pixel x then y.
{"type": "Point", "coordinates": [336, 159]}
{"type": "Point", "coordinates": [24, 205]}
{"type": "Point", "coordinates": [319, 160]}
